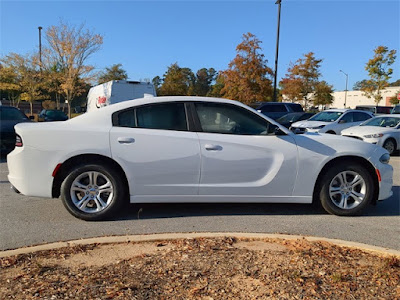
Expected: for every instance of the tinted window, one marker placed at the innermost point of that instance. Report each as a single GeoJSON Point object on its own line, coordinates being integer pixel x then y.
{"type": "Point", "coordinates": [348, 118]}
{"type": "Point", "coordinates": [296, 107]}
{"type": "Point", "coordinates": [274, 108]}
{"type": "Point", "coordinates": [11, 114]}
{"type": "Point", "coordinates": [169, 116]}
{"type": "Point", "coordinates": [127, 118]}
{"type": "Point", "coordinates": [223, 118]}
{"type": "Point", "coordinates": [359, 116]}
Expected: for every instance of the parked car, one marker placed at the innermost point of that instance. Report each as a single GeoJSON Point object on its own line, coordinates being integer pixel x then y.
{"type": "Point", "coordinates": [396, 109]}
{"type": "Point", "coordinates": [382, 130]}
{"type": "Point", "coordinates": [331, 121]}
{"type": "Point", "coordinates": [9, 117]}
{"type": "Point", "coordinates": [192, 149]}
{"type": "Point", "coordinates": [375, 109]}
{"type": "Point", "coordinates": [275, 110]}
{"type": "Point", "coordinates": [288, 119]}
{"type": "Point", "coordinates": [49, 115]}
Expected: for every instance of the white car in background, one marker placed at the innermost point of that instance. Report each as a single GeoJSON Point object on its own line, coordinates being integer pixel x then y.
{"type": "Point", "coordinates": [331, 121]}
{"type": "Point", "coordinates": [383, 130]}
{"type": "Point", "coordinates": [192, 149]}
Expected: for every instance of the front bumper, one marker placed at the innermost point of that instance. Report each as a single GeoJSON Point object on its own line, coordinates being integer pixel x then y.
{"type": "Point", "coordinates": [386, 183]}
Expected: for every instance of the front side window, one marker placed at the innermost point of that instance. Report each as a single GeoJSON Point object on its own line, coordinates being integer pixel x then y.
{"type": "Point", "coordinates": [167, 116]}
{"type": "Point", "coordinates": [229, 119]}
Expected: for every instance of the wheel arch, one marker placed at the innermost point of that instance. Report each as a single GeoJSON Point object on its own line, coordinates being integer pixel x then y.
{"type": "Point", "coordinates": [74, 161]}
{"type": "Point", "coordinates": [391, 138]}
{"type": "Point", "coordinates": [351, 159]}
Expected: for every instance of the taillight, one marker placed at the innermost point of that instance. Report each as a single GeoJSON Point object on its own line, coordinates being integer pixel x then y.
{"type": "Point", "coordinates": [18, 141]}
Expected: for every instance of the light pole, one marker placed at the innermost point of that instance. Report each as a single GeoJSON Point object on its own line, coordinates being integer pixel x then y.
{"type": "Point", "coordinates": [277, 48]}
{"type": "Point", "coordinates": [40, 46]}
{"type": "Point", "coordinates": [345, 91]}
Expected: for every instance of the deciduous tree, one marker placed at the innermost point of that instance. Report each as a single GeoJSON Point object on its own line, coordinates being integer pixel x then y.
{"type": "Point", "coordinates": [115, 72]}
{"type": "Point", "coordinates": [380, 71]}
{"type": "Point", "coordinates": [248, 78]}
{"type": "Point", "coordinates": [177, 81]}
{"type": "Point", "coordinates": [323, 94]}
{"type": "Point", "coordinates": [302, 78]}
{"type": "Point", "coordinates": [71, 47]}
{"type": "Point", "coordinates": [24, 76]}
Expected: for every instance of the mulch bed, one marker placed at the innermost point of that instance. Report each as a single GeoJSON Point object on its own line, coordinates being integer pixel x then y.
{"type": "Point", "coordinates": [201, 268]}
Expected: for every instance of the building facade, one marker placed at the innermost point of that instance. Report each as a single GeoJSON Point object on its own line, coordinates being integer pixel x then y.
{"type": "Point", "coordinates": [354, 98]}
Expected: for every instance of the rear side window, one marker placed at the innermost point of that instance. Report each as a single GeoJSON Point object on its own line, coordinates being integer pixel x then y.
{"type": "Point", "coordinates": [274, 108]}
{"type": "Point", "coordinates": [359, 116]}
{"type": "Point", "coordinates": [167, 116]}
{"type": "Point", "coordinates": [295, 107]}
{"type": "Point", "coordinates": [347, 117]}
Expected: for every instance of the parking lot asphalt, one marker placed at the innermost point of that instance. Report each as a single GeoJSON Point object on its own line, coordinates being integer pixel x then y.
{"type": "Point", "coordinates": [27, 221]}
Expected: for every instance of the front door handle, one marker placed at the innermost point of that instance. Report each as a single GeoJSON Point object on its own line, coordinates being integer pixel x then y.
{"type": "Point", "coordinates": [210, 147]}
{"type": "Point", "coordinates": [125, 140]}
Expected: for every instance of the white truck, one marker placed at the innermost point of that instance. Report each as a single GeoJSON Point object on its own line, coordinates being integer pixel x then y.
{"type": "Point", "coordinates": [117, 91]}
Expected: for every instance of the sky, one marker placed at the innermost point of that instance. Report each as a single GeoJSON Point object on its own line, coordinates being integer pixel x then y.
{"type": "Point", "coordinates": [148, 36]}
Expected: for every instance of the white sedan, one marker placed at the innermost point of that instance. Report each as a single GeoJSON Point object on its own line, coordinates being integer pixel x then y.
{"type": "Point", "coordinates": [332, 121]}
{"type": "Point", "coordinates": [192, 149]}
{"type": "Point", "coordinates": [383, 130]}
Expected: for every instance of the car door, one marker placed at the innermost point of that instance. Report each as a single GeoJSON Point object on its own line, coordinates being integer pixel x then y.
{"type": "Point", "coordinates": [157, 151]}
{"type": "Point", "coordinates": [241, 156]}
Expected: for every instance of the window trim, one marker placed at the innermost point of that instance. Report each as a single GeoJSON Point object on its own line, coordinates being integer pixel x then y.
{"type": "Point", "coordinates": [198, 124]}
{"type": "Point", "coordinates": [115, 116]}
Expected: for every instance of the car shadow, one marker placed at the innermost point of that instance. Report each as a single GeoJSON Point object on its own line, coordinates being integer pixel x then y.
{"type": "Point", "coordinates": [389, 207]}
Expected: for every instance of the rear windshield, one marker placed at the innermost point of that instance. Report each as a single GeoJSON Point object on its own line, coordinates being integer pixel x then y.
{"type": "Point", "coordinates": [11, 114]}
{"type": "Point", "coordinates": [382, 122]}
{"type": "Point", "coordinates": [326, 116]}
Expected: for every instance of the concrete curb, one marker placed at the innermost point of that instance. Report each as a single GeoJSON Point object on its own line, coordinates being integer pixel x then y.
{"type": "Point", "coordinates": [172, 236]}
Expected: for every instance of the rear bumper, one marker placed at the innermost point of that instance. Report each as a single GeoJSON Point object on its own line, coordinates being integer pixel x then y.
{"type": "Point", "coordinates": [27, 173]}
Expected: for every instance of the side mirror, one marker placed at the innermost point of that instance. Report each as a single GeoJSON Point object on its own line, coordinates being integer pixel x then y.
{"type": "Point", "coordinates": [342, 121]}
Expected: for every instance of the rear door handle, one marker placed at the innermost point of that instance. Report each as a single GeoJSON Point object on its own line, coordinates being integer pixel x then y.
{"type": "Point", "coordinates": [125, 140]}
{"type": "Point", "coordinates": [210, 147]}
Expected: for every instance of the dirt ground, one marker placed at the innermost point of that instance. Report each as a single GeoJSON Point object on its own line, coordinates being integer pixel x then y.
{"type": "Point", "coordinates": [201, 268]}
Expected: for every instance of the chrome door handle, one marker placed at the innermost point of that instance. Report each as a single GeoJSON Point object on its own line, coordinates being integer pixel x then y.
{"type": "Point", "coordinates": [213, 147]}
{"type": "Point", "coordinates": [125, 140]}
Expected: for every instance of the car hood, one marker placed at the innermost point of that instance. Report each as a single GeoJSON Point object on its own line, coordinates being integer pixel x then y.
{"type": "Point", "coordinates": [8, 125]}
{"type": "Point", "coordinates": [335, 145]}
{"type": "Point", "coordinates": [310, 124]}
{"type": "Point", "coordinates": [363, 130]}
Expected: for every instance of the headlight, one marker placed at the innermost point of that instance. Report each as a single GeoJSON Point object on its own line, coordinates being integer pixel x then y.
{"type": "Point", "coordinates": [375, 136]}
{"type": "Point", "coordinates": [385, 158]}
{"type": "Point", "coordinates": [318, 127]}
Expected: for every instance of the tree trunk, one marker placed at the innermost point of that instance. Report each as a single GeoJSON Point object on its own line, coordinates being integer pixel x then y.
{"type": "Point", "coordinates": [31, 105]}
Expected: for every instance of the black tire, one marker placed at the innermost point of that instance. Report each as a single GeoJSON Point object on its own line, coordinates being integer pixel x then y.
{"type": "Point", "coordinates": [331, 132]}
{"type": "Point", "coordinates": [331, 179]}
{"type": "Point", "coordinates": [113, 198]}
{"type": "Point", "coordinates": [390, 145]}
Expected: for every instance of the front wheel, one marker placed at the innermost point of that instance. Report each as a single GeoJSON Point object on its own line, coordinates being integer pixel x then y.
{"type": "Point", "coordinates": [346, 189]}
{"type": "Point", "coordinates": [390, 146]}
{"type": "Point", "coordinates": [93, 192]}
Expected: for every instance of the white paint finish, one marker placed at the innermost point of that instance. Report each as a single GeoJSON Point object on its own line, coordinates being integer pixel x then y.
{"type": "Point", "coordinates": [248, 165]}
{"type": "Point", "coordinates": [158, 162]}
{"type": "Point", "coordinates": [173, 166]}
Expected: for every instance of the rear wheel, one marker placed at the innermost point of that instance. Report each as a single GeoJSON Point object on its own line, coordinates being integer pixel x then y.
{"type": "Point", "coordinates": [331, 132]}
{"type": "Point", "coordinates": [93, 192]}
{"type": "Point", "coordinates": [346, 189]}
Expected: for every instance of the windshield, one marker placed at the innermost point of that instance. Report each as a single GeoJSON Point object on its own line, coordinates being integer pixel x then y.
{"type": "Point", "coordinates": [11, 114]}
{"type": "Point", "coordinates": [382, 122]}
{"type": "Point", "coordinates": [55, 114]}
{"type": "Point", "coordinates": [326, 116]}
